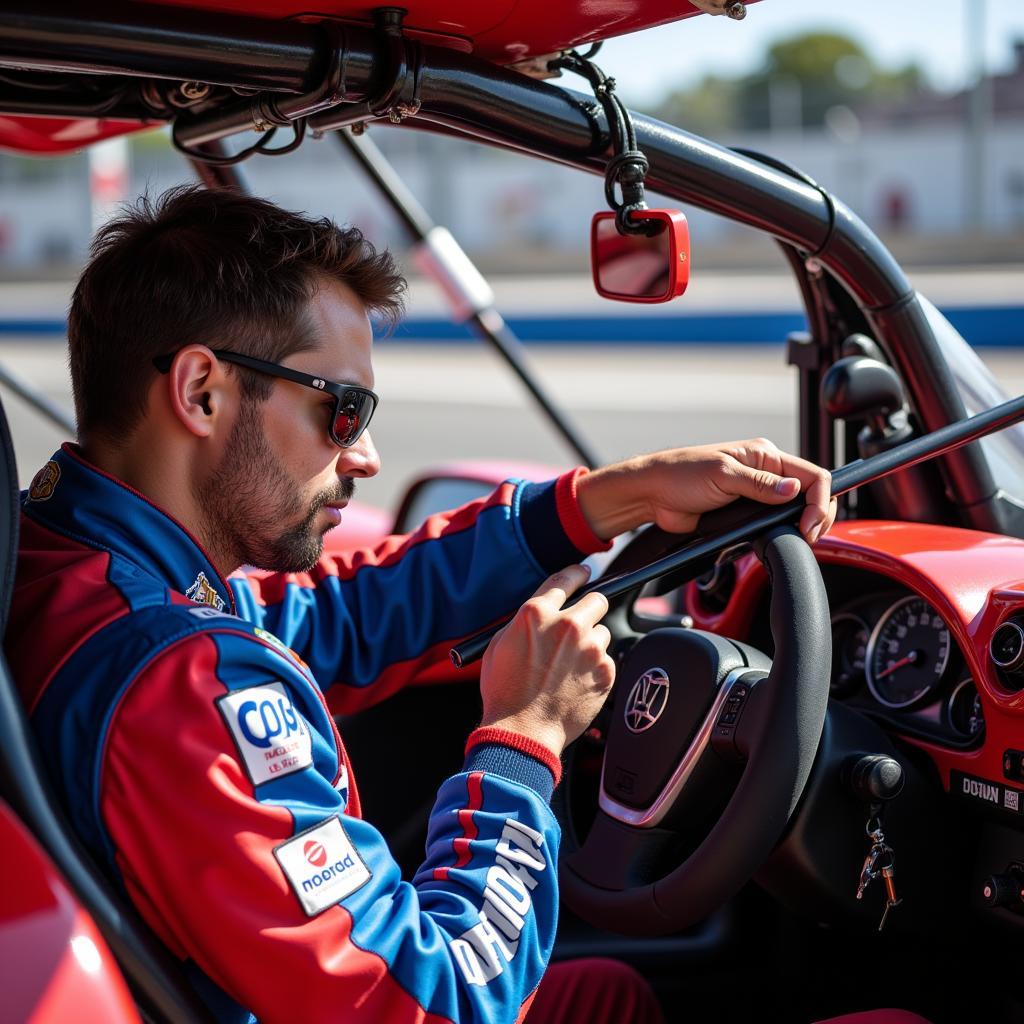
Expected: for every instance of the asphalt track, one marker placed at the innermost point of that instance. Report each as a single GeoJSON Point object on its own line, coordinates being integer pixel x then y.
{"type": "Point", "coordinates": [446, 402]}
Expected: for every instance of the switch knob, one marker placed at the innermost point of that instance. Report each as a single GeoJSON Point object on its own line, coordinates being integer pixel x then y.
{"type": "Point", "coordinates": [1002, 891]}
{"type": "Point", "coordinates": [875, 778]}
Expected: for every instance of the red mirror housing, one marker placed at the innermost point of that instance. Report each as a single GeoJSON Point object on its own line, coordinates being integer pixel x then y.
{"type": "Point", "coordinates": [641, 268]}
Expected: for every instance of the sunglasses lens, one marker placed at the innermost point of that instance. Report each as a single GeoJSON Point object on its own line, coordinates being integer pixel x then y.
{"type": "Point", "coordinates": [352, 418]}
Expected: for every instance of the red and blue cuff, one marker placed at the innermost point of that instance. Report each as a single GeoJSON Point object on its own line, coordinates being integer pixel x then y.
{"type": "Point", "coordinates": [540, 505]}
{"type": "Point", "coordinates": [513, 756]}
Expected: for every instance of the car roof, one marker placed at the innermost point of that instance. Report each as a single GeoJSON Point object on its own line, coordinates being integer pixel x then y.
{"type": "Point", "coordinates": [502, 31]}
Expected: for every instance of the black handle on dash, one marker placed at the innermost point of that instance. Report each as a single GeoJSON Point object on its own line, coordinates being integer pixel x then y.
{"type": "Point", "coordinates": [743, 520]}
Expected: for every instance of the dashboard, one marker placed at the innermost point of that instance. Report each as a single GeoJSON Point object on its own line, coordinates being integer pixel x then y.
{"type": "Point", "coordinates": [917, 612]}
{"type": "Point", "coordinates": [894, 657]}
{"type": "Point", "coordinates": [927, 626]}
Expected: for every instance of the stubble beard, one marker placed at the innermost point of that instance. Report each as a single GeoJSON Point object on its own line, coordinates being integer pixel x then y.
{"type": "Point", "coordinates": [249, 496]}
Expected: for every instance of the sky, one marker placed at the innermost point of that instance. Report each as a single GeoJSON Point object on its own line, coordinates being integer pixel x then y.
{"type": "Point", "coordinates": [934, 33]}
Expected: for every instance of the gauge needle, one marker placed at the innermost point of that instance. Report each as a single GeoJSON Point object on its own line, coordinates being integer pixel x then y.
{"type": "Point", "coordinates": [908, 660]}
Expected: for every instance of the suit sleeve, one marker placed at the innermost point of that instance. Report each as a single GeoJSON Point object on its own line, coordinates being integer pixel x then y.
{"type": "Point", "coordinates": [369, 622]}
{"type": "Point", "coordinates": [223, 797]}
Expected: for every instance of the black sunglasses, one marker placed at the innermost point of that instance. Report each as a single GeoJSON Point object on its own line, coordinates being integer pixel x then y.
{"type": "Point", "coordinates": [353, 405]}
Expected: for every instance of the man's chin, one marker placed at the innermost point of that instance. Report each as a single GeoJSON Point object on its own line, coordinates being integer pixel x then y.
{"type": "Point", "coordinates": [292, 554]}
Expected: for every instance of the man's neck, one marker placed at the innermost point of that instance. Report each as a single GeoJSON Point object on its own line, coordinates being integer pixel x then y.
{"type": "Point", "coordinates": [162, 475]}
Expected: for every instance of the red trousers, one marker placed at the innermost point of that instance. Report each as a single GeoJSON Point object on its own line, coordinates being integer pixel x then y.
{"type": "Point", "coordinates": [594, 991]}
{"type": "Point", "coordinates": [599, 991]}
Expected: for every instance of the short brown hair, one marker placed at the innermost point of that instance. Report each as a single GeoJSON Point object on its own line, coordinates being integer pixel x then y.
{"type": "Point", "coordinates": [214, 267]}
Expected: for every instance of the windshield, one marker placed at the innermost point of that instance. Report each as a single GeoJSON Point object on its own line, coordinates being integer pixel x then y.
{"type": "Point", "coordinates": [979, 391]}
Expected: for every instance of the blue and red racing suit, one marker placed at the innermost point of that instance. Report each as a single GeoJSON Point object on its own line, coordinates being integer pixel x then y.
{"type": "Point", "coordinates": [187, 724]}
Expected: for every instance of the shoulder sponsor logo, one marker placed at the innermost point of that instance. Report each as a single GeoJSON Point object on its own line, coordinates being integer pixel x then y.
{"type": "Point", "coordinates": [265, 634]}
{"type": "Point", "coordinates": [322, 866]}
{"type": "Point", "coordinates": [271, 736]}
{"type": "Point", "coordinates": [483, 950]}
{"type": "Point", "coordinates": [203, 592]}
{"type": "Point", "coordinates": [279, 645]}
{"type": "Point", "coordinates": [44, 483]}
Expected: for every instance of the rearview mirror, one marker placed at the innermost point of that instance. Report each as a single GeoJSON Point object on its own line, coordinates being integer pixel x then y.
{"type": "Point", "coordinates": [652, 267]}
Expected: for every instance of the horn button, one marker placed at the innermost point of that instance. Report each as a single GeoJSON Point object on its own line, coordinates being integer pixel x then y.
{"type": "Point", "coordinates": [664, 690]}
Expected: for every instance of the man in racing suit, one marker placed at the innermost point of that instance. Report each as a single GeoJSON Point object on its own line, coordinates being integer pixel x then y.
{"type": "Point", "coordinates": [187, 717]}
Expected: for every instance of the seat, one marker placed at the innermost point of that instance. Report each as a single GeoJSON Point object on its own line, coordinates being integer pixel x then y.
{"type": "Point", "coordinates": [155, 978]}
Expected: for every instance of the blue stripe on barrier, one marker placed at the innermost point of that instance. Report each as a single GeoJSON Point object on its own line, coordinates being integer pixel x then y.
{"type": "Point", "coordinates": [982, 326]}
{"type": "Point", "coordinates": [33, 327]}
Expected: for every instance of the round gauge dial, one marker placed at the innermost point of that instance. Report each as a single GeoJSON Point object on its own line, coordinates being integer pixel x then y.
{"type": "Point", "coordinates": [849, 649]}
{"type": "Point", "coordinates": [907, 653]}
{"type": "Point", "coordinates": [966, 714]}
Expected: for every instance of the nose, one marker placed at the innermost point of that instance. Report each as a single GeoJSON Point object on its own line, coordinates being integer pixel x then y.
{"type": "Point", "coordinates": [362, 459]}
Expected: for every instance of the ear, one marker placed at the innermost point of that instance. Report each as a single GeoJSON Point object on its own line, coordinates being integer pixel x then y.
{"type": "Point", "coordinates": [201, 395]}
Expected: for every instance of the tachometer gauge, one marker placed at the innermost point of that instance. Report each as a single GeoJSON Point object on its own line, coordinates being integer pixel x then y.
{"type": "Point", "coordinates": [907, 653]}
{"type": "Point", "coordinates": [849, 649]}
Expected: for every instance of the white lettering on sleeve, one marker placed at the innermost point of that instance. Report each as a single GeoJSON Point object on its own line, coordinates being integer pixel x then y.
{"type": "Point", "coordinates": [482, 951]}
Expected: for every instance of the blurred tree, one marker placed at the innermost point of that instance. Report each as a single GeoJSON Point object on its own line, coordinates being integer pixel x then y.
{"type": "Point", "coordinates": [799, 81]}
{"type": "Point", "coordinates": [709, 107]}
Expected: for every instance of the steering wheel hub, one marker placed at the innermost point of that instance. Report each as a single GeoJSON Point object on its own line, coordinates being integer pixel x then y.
{"type": "Point", "coordinates": [668, 684]}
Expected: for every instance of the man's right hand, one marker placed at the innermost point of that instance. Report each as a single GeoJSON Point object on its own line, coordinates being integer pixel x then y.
{"type": "Point", "coordinates": [547, 673]}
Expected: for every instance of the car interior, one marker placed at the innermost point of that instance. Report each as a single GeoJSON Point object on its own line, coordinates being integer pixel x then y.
{"type": "Point", "coordinates": [829, 819]}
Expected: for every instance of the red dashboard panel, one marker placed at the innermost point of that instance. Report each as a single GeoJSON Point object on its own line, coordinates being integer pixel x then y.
{"type": "Point", "coordinates": [975, 581]}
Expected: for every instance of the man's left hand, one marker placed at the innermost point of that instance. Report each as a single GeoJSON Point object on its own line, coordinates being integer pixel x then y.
{"type": "Point", "coordinates": [673, 488]}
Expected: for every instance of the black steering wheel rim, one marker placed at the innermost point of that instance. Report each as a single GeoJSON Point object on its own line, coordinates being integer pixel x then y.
{"type": "Point", "coordinates": [783, 738]}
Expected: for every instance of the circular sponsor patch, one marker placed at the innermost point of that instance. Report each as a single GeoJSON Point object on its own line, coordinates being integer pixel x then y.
{"type": "Point", "coordinates": [44, 482]}
{"type": "Point", "coordinates": [315, 853]}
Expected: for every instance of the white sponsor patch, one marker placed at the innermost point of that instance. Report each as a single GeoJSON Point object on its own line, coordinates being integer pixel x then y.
{"type": "Point", "coordinates": [270, 734]}
{"type": "Point", "coordinates": [322, 866]}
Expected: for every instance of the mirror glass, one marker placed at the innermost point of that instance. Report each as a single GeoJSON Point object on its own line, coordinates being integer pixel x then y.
{"type": "Point", "coordinates": [632, 266]}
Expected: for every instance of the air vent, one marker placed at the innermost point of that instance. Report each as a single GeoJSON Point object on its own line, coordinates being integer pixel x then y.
{"type": "Point", "coordinates": [1006, 650]}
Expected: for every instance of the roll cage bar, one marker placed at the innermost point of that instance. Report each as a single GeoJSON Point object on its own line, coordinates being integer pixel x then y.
{"type": "Point", "coordinates": [122, 63]}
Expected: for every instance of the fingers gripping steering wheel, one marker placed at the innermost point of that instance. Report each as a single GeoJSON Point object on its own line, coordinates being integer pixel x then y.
{"type": "Point", "coordinates": [704, 732]}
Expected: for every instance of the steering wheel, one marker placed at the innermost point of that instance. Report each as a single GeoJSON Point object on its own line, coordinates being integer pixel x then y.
{"type": "Point", "coordinates": [708, 752]}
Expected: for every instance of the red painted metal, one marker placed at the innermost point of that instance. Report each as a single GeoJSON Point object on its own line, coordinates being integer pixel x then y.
{"type": "Point", "coordinates": [503, 31]}
{"type": "Point", "coordinates": [47, 136]}
{"type": "Point", "coordinates": [974, 580]}
{"type": "Point", "coordinates": [54, 965]}
{"type": "Point", "coordinates": [735, 619]}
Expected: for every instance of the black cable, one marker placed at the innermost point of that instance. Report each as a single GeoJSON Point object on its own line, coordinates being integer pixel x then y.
{"type": "Point", "coordinates": [795, 172]}
{"type": "Point", "coordinates": [298, 127]}
{"type": "Point", "coordinates": [628, 166]}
